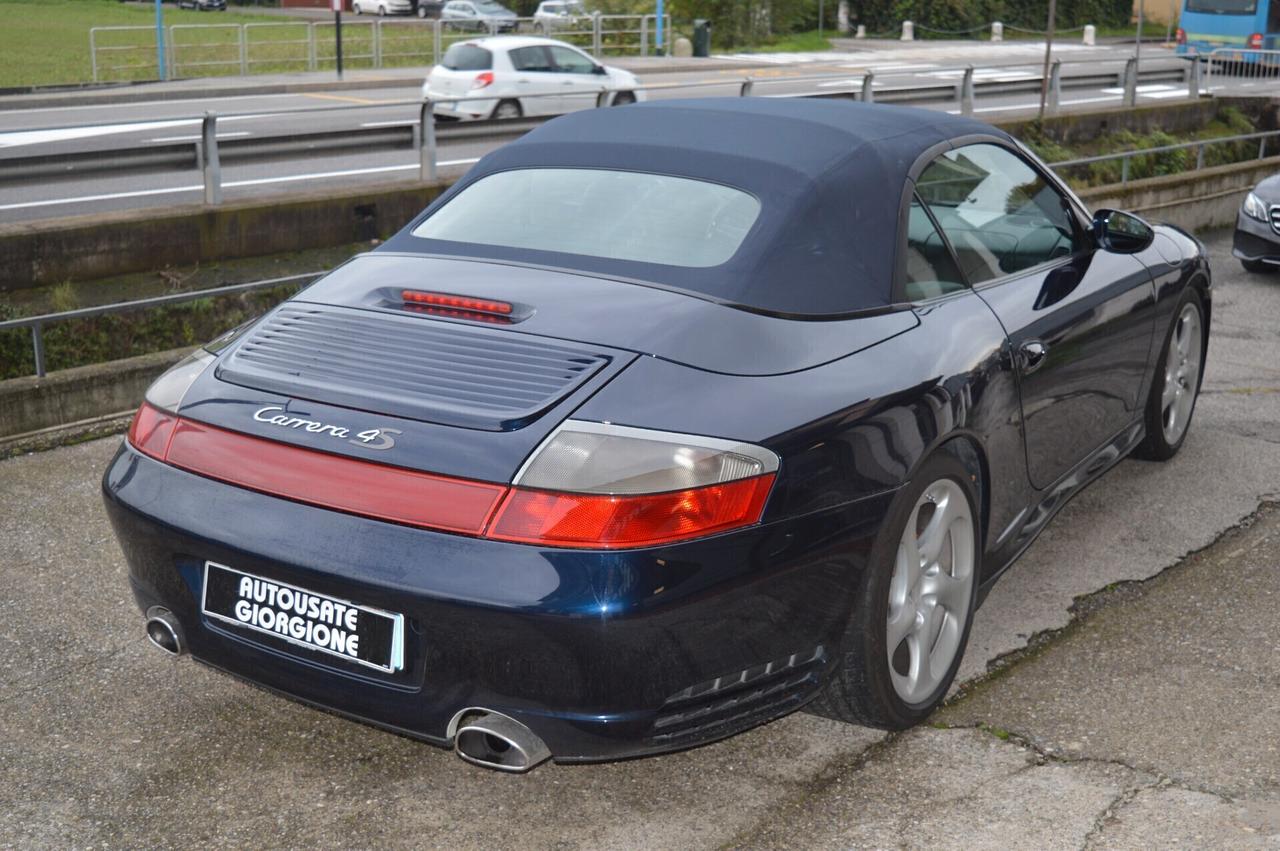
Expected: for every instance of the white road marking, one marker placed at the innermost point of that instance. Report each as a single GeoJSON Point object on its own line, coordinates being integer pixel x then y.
{"type": "Point", "coordinates": [197, 138]}
{"type": "Point", "coordinates": [62, 134]}
{"type": "Point", "coordinates": [403, 122]}
{"type": "Point", "coordinates": [206, 99]}
{"type": "Point", "coordinates": [230, 184]}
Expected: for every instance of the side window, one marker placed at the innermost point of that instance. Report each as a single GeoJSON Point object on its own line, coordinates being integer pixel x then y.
{"type": "Point", "coordinates": [931, 271]}
{"type": "Point", "coordinates": [1000, 215]}
{"type": "Point", "coordinates": [530, 59]}
{"type": "Point", "coordinates": [571, 61]}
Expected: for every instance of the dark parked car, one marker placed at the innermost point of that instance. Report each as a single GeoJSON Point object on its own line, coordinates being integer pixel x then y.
{"type": "Point", "coordinates": [1257, 238]}
{"type": "Point", "coordinates": [661, 423]}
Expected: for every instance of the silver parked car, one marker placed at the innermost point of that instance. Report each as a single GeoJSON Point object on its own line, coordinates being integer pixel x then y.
{"type": "Point", "coordinates": [555, 15]}
{"type": "Point", "coordinates": [479, 15]}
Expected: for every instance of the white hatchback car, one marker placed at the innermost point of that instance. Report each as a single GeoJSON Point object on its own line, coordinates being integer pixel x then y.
{"type": "Point", "coordinates": [512, 76]}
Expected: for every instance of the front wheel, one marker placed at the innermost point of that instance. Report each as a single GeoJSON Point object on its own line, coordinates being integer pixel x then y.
{"type": "Point", "coordinates": [911, 620]}
{"type": "Point", "coordinates": [623, 98]}
{"type": "Point", "coordinates": [1176, 385]}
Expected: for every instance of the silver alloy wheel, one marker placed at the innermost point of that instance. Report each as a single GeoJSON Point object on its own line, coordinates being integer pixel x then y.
{"type": "Point", "coordinates": [930, 590]}
{"type": "Point", "coordinates": [507, 109]}
{"type": "Point", "coordinates": [1181, 374]}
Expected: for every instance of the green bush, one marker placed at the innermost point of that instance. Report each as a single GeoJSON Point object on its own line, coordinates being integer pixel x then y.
{"type": "Point", "coordinates": [120, 335]}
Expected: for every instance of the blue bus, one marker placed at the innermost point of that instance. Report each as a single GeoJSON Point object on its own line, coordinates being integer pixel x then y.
{"type": "Point", "coordinates": [1242, 24]}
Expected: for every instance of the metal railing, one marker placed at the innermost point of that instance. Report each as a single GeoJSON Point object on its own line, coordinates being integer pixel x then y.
{"type": "Point", "coordinates": [419, 130]}
{"type": "Point", "coordinates": [1240, 67]}
{"type": "Point", "coordinates": [202, 50]}
{"type": "Point", "coordinates": [36, 324]}
{"type": "Point", "coordinates": [1127, 157]}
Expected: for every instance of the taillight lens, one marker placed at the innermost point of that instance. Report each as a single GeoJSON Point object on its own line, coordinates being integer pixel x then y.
{"type": "Point", "coordinates": [1255, 41]}
{"type": "Point", "coordinates": [599, 485]}
{"type": "Point", "coordinates": [153, 424]}
{"type": "Point", "coordinates": [1180, 36]}
{"type": "Point", "coordinates": [483, 80]}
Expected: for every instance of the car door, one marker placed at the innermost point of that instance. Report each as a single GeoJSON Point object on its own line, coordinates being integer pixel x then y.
{"type": "Point", "coordinates": [534, 73]}
{"type": "Point", "coordinates": [1080, 321]}
{"type": "Point", "coordinates": [578, 78]}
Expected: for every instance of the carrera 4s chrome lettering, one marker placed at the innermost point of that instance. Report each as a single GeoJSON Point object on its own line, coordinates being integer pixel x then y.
{"type": "Point", "coordinates": [373, 438]}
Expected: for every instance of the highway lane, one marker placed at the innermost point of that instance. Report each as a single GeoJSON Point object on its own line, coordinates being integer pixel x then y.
{"type": "Point", "coordinates": [52, 130]}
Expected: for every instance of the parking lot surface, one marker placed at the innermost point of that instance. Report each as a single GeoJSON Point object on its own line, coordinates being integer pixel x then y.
{"type": "Point", "coordinates": [1149, 721]}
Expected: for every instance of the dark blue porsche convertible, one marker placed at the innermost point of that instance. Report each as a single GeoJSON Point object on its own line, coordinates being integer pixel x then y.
{"type": "Point", "coordinates": [663, 422]}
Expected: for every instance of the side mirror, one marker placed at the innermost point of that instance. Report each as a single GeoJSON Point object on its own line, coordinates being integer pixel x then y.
{"type": "Point", "coordinates": [598, 69]}
{"type": "Point", "coordinates": [1122, 233]}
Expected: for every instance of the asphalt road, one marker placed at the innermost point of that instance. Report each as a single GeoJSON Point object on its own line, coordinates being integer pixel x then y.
{"type": "Point", "coordinates": [1148, 723]}
{"type": "Point", "coordinates": [24, 132]}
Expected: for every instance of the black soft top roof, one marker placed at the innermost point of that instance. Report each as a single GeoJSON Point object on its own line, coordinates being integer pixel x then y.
{"type": "Point", "coordinates": [829, 175]}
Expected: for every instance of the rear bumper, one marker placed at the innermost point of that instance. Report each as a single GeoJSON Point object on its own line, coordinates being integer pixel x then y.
{"type": "Point", "coordinates": [1255, 240]}
{"type": "Point", "coordinates": [602, 655]}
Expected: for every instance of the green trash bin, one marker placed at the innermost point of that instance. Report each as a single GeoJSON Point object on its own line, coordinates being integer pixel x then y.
{"type": "Point", "coordinates": [701, 37]}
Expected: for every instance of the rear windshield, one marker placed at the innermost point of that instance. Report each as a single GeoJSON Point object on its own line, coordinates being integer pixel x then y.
{"type": "Point", "coordinates": [618, 215]}
{"type": "Point", "coordinates": [467, 57]}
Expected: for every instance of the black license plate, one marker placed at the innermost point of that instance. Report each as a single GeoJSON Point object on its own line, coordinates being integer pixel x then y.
{"type": "Point", "coordinates": [304, 618]}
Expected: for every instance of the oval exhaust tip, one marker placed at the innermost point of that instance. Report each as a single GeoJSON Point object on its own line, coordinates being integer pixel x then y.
{"type": "Point", "coordinates": [164, 631]}
{"type": "Point", "coordinates": [496, 741]}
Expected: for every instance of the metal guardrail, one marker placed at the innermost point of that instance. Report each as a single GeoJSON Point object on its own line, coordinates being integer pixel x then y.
{"type": "Point", "coordinates": [37, 323]}
{"type": "Point", "coordinates": [421, 132]}
{"type": "Point", "coordinates": [201, 50]}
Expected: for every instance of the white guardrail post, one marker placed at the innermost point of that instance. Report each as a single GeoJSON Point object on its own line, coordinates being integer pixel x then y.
{"type": "Point", "coordinates": [644, 35]}
{"type": "Point", "coordinates": [745, 90]}
{"type": "Point", "coordinates": [966, 92]}
{"type": "Point", "coordinates": [997, 31]}
{"type": "Point", "coordinates": [1193, 77]}
{"type": "Point", "coordinates": [1054, 100]}
{"type": "Point", "coordinates": [1130, 81]}
{"type": "Point", "coordinates": [209, 159]}
{"type": "Point", "coordinates": [93, 52]}
{"type": "Point", "coordinates": [244, 52]}
{"type": "Point", "coordinates": [427, 141]}
{"type": "Point", "coordinates": [868, 96]}
{"type": "Point", "coordinates": [595, 34]}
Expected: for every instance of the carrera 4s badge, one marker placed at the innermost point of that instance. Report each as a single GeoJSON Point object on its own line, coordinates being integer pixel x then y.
{"type": "Point", "coordinates": [373, 438]}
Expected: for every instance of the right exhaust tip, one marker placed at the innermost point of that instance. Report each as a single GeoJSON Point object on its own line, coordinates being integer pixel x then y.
{"type": "Point", "coordinates": [496, 741]}
{"type": "Point", "coordinates": [164, 631]}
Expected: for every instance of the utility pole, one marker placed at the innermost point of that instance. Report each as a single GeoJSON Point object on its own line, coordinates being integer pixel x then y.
{"type": "Point", "coordinates": [820, 11]}
{"type": "Point", "coordinates": [160, 41]}
{"type": "Point", "coordinates": [1048, 51]}
{"type": "Point", "coordinates": [1137, 44]}
{"type": "Point", "coordinates": [337, 33]}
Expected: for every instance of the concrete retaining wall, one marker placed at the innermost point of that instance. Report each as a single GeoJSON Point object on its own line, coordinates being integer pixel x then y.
{"type": "Point", "coordinates": [29, 405]}
{"type": "Point", "coordinates": [98, 246]}
{"type": "Point", "coordinates": [1207, 198]}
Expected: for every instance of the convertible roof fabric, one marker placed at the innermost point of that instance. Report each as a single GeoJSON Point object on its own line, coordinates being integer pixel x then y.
{"type": "Point", "coordinates": [829, 175]}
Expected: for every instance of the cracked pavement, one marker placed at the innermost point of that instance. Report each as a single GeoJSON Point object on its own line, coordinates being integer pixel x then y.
{"type": "Point", "coordinates": [1141, 716]}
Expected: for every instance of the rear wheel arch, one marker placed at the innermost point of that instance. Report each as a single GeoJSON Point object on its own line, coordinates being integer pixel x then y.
{"type": "Point", "coordinates": [966, 449]}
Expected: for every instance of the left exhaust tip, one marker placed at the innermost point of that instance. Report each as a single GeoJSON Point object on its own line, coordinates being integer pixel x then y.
{"type": "Point", "coordinates": [164, 631]}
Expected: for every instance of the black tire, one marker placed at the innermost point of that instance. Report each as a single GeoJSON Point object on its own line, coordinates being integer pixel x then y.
{"type": "Point", "coordinates": [861, 689]}
{"type": "Point", "coordinates": [1255, 266]}
{"type": "Point", "coordinates": [624, 98]}
{"type": "Point", "coordinates": [1156, 446]}
{"type": "Point", "coordinates": [509, 105]}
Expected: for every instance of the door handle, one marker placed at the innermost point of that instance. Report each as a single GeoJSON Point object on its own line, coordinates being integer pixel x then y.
{"type": "Point", "coordinates": [1033, 355]}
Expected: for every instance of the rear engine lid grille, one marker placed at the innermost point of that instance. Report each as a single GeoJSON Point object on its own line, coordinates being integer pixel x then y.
{"type": "Point", "coordinates": [406, 366]}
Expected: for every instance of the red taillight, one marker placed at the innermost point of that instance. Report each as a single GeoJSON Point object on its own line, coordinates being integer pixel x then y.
{"type": "Point", "coordinates": [608, 522]}
{"type": "Point", "coordinates": [457, 302]}
{"type": "Point", "coordinates": [151, 431]}
{"type": "Point", "coordinates": [480, 509]}
{"type": "Point", "coordinates": [1180, 36]}
{"type": "Point", "coordinates": [483, 79]}
{"type": "Point", "coordinates": [317, 478]}
{"type": "Point", "coordinates": [1255, 41]}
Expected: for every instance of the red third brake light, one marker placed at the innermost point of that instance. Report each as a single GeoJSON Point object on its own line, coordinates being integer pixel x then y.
{"type": "Point", "coordinates": [482, 80]}
{"type": "Point", "coordinates": [457, 302]}
{"type": "Point", "coordinates": [598, 521]}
